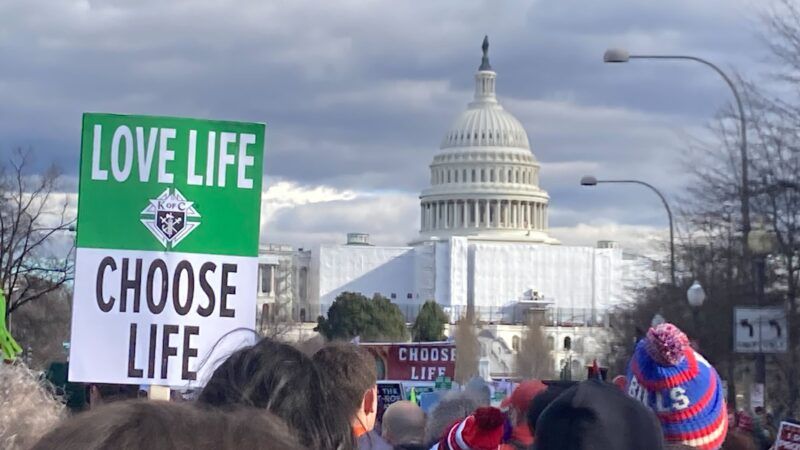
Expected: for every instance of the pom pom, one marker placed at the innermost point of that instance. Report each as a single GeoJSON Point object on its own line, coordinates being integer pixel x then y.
{"type": "Point", "coordinates": [666, 344]}
{"type": "Point", "coordinates": [488, 418]}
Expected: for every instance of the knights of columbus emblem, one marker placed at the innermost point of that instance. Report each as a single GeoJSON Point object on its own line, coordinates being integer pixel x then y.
{"type": "Point", "coordinates": [170, 217]}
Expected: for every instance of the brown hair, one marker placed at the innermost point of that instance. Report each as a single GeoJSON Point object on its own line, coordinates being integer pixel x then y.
{"type": "Point", "coordinates": [351, 372]}
{"type": "Point", "coordinates": [141, 424]}
{"type": "Point", "coordinates": [281, 379]}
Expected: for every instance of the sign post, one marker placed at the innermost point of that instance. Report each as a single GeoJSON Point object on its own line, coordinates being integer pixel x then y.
{"type": "Point", "coordinates": [760, 330]}
{"type": "Point", "coordinates": [167, 247]}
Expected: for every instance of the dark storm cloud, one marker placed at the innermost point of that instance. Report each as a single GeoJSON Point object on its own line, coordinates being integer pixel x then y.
{"type": "Point", "coordinates": [357, 95]}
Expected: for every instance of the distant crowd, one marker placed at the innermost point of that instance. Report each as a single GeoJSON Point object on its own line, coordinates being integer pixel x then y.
{"type": "Point", "coordinates": [274, 396]}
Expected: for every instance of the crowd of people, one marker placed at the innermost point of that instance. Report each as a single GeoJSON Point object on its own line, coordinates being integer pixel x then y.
{"type": "Point", "coordinates": [274, 396]}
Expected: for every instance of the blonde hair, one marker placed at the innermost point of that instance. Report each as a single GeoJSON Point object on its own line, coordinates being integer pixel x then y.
{"type": "Point", "coordinates": [29, 407]}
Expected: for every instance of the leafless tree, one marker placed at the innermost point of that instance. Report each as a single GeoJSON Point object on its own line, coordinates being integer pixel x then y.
{"type": "Point", "coordinates": [468, 348]}
{"type": "Point", "coordinates": [42, 327]}
{"type": "Point", "coordinates": [31, 217]}
{"type": "Point", "coordinates": [533, 358]}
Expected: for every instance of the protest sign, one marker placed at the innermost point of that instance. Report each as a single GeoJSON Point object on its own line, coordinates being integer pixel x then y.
{"type": "Point", "coordinates": [167, 247]}
{"type": "Point", "coordinates": [388, 393]}
{"type": "Point", "coordinates": [788, 437]}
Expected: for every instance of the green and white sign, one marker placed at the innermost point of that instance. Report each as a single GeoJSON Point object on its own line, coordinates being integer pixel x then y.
{"type": "Point", "coordinates": [167, 258]}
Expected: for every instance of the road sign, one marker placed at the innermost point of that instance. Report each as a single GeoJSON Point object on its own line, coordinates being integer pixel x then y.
{"type": "Point", "coordinates": [760, 330]}
{"type": "Point", "coordinates": [443, 383]}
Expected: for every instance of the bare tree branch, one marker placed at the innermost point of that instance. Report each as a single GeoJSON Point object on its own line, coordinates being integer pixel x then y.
{"type": "Point", "coordinates": [31, 220]}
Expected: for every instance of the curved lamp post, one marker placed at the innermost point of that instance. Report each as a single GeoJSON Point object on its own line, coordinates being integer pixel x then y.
{"type": "Point", "coordinates": [590, 180]}
{"type": "Point", "coordinates": [618, 55]}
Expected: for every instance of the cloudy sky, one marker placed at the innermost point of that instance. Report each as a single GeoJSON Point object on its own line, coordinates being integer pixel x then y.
{"type": "Point", "coordinates": [357, 94]}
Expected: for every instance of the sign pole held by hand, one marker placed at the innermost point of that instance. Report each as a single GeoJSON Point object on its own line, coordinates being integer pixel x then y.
{"type": "Point", "coordinates": [156, 392]}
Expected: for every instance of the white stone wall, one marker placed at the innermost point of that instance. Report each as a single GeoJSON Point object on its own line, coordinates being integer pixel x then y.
{"type": "Point", "coordinates": [364, 269]}
{"type": "Point", "coordinates": [496, 274]}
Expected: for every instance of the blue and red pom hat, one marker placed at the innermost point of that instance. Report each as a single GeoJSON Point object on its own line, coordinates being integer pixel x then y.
{"type": "Point", "coordinates": [680, 386]}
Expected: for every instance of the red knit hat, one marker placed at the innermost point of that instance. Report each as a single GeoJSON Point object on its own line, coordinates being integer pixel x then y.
{"type": "Point", "coordinates": [483, 430]}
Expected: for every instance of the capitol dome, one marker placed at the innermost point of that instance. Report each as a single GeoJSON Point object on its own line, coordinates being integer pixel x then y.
{"type": "Point", "coordinates": [486, 126]}
{"type": "Point", "coordinates": [484, 178]}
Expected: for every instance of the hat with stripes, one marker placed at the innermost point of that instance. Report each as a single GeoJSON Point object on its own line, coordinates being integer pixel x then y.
{"type": "Point", "coordinates": [482, 430]}
{"type": "Point", "coordinates": [680, 386]}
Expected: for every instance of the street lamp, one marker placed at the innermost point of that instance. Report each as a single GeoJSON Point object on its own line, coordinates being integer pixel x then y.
{"type": "Point", "coordinates": [696, 295]}
{"type": "Point", "coordinates": [618, 55]}
{"type": "Point", "coordinates": [761, 242]}
{"type": "Point", "coordinates": [590, 180]}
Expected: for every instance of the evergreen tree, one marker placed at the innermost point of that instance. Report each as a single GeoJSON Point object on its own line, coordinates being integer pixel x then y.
{"type": "Point", "coordinates": [429, 325]}
{"type": "Point", "coordinates": [353, 314]}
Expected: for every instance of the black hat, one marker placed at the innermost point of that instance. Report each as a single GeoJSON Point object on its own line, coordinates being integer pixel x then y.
{"type": "Point", "coordinates": [597, 415]}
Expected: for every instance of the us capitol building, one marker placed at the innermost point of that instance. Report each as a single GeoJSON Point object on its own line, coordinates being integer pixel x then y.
{"type": "Point", "coordinates": [483, 241]}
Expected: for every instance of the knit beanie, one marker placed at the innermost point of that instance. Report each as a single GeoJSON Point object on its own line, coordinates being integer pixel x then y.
{"type": "Point", "coordinates": [668, 376]}
{"type": "Point", "coordinates": [482, 430]}
{"type": "Point", "coordinates": [597, 415]}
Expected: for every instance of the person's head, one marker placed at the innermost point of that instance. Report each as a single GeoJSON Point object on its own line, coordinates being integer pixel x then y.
{"type": "Point", "coordinates": [478, 389]}
{"type": "Point", "coordinates": [279, 378]}
{"type": "Point", "coordinates": [668, 376]}
{"type": "Point", "coordinates": [403, 424]}
{"type": "Point", "coordinates": [352, 374]}
{"type": "Point", "coordinates": [541, 401]}
{"type": "Point", "coordinates": [452, 407]}
{"type": "Point", "coordinates": [481, 430]}
{"type": "Point", "coordinates": [141, 424]}
{"type": "Point", "coordinates": [29, 409]}
{"type": "Point", "coordinates": [519, 401]}
{"type": "Point", "coordinates": [739, 440]}
{"type": "Point", "coordinates": [593, 415]}
{"type": "Point", "coordinates": [744, 422]}
{"type": "Point", "coordinates": [620, 381]}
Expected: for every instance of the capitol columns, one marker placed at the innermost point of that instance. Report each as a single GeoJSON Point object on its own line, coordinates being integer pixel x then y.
{"type": "Point", "coordinates": [528, 222]}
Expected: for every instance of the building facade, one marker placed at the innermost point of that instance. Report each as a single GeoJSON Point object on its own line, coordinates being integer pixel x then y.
{"type": "Point", "coordinates": [483, 242]}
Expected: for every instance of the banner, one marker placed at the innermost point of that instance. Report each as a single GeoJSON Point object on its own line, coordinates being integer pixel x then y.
{"type": "Point", "coordinates": [418, 361]}
{"type": "Point", "coordinates": [167, 247]}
